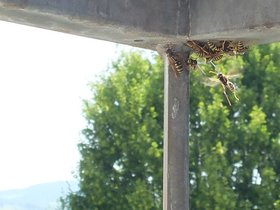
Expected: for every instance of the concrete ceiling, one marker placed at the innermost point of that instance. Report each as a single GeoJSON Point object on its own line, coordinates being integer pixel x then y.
{"type": "Point", "coordinates": [151, 23]}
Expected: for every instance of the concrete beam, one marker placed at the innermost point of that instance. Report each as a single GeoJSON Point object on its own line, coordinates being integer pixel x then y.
{"type": "Point", "coordinates": [149, 23]}
{"type": "Point", "coordinates": [255, 20]}
{"type": "Point", "coordinates": [140, 23]}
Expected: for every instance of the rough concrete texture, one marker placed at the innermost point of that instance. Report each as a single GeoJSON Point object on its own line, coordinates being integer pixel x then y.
{"type": "Point", "coordinates": [149, 23]}
{"type": "Point", "coordinates": [176, 135]}
{"type": "Point", "coordinates": [142, 23]}
{"type": "Point", "coordinates": [255, 20]}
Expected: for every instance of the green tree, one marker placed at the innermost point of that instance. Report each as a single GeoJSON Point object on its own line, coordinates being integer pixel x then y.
{"type": "Point", "coordinates": [234, 151]}
{"type": "Point", "coordinates": [121, 166]}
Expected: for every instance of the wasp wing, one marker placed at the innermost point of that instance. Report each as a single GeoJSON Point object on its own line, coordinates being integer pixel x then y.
{"type": "Point", "coordinates": [210, 81]}
{"type": "Point", "coordinates": [233, 76]}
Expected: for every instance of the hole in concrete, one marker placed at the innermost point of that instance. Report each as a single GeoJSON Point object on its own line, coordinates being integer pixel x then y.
{"type": "Point", "coordinates": [138, 40]}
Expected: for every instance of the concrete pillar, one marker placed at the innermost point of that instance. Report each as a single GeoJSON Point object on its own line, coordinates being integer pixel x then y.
{"type": "Point", "coordinates": [176, 144]}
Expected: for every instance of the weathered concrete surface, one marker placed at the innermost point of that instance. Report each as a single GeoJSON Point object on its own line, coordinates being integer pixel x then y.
{"type": "Point", "coordinates": [142, 23]}
{"type": "Point", "coordinates": [257, 20]}
{"type": "Point", "coordinates": [176, 134]}
{"type": "Point", "coordinates": [147, 23]}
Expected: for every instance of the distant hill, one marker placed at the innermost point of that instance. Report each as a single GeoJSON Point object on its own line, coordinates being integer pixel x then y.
{"type": "Point", "coordinates": [37, 197]}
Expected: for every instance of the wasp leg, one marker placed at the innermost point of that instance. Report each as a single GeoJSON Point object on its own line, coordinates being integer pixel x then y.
{"type": "Point", "coordinates": [202, 71]}
{"type": "Point", "coordinates": [235, 96]}
{"type": "Point", "coordinates": [176, 72]}
{"type": "Point", "coordinates": [225, 93]}
{"type": "Point", "coordinates": [195, 65]}
{"type": "Point", "coordinates": [213, 72]}
{"type": "Point", "coordinates": [196, 45]}
{"type": "Point", "coordinates": [173, 66]}
{"type": "Point", "coordinates": [213, 64]}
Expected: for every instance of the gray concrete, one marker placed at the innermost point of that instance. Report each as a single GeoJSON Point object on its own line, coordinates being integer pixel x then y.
{"type": "Point", "coordinates": [176, 135]}
{"type": "Point", "coordinates": [141, 23]}
{"type": "Point", "coordinates": [255, 20]}
{"type": "Point", "coordinates": [149, 23]}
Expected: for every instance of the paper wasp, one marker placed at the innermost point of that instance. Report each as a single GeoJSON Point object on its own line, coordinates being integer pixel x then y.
{"type": "Point", "coordinates": [228, 47]}
{"type": "Point", "coordinates": [194, 64]}
{"type": "Point", "coordinates": [199, 48]}
{"type": "Point", "coordinates": [214, 51]}
{"type": "Point", "coordinates": [213, 47]}
{"type": "Point", "coordinates": [207, 50]}
{"type": "Point", "coordinates": [238, 48]}
{"type": "Point", "coordinates": [225, 82]}
{"type": "Point", "coordinates": [225, 46]}
{"type": "Point", "coordinates": [178, 64]}
{"type": "Point", "coordinates": [176, 61]}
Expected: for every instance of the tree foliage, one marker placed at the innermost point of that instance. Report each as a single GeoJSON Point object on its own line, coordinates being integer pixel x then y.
{"type": "Point", "coordinates": [121, 166]}
{"type": "Point", "coordinates": [234, 151]}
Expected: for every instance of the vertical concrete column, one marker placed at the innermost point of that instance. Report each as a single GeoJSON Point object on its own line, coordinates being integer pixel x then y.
{"type": "Point", "coordinates": [176, 134]}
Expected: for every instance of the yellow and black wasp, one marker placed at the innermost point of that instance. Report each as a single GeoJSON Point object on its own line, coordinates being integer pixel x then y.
{"type": "Point", "coordinates": [225, 82]}
{"type": "Point", "coordinates": [207, 50]}
{"type": "Point", "coordinates": [176, 61]}
{"type": "Point", "coordinates": [237, 48]}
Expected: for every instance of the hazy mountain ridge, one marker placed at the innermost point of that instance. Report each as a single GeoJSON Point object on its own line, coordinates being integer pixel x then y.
{"type": "Point", "coordinates": [37, 197]}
